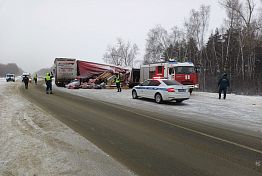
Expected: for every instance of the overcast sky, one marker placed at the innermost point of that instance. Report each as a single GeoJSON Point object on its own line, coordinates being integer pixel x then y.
{"type": "Point", "coordinates": [34, 32]}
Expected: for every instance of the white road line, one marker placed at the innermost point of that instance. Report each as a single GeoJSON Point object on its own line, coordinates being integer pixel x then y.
{"type": "Point", "coordinates": [194, 131]}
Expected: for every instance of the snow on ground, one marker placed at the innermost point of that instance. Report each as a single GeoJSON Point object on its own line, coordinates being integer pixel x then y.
{"type": "Point", "coordinates": [242, 112]}
{"type": "Point", "coordinates": [34, 143]}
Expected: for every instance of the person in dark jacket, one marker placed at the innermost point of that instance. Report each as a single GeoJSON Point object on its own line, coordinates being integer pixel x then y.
{"type": "Point", "coordinates": [26, 80]}
{"type": "Point", "coordinates": [48, 81]}
{"type": "Point", "coordinates": [223, 84]}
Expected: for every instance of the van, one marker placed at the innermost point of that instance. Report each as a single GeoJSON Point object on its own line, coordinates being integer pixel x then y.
{"type": "Point", "coordinates": [10, 77]}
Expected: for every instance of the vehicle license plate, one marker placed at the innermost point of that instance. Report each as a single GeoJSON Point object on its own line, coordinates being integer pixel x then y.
{"type": "Point", "coordinates": [181, 90]}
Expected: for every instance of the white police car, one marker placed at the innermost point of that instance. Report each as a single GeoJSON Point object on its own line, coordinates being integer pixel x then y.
{"type": "Point", "coordinates": [161, 90]}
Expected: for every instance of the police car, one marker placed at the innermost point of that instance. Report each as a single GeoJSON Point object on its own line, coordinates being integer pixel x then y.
{"type": "Point", "coordinates": [161, 90]}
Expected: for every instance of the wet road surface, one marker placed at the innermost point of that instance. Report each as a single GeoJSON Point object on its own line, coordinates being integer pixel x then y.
{"type": "Point", "coordinates": [153, 144]}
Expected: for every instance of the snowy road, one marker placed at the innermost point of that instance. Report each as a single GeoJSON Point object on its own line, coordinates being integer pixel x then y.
{"type": "Point", "coordinates": [237, 111]}
{"type": "Point", "coordinates": [34, 143]}
{"type": "Point", "coordinates": [153, 142]}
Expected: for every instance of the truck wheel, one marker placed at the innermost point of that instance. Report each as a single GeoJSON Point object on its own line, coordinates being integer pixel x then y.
{"type": "Point", "coordinates": [158, 98]}
{"type": "Point", "coordinates": [134, 94]}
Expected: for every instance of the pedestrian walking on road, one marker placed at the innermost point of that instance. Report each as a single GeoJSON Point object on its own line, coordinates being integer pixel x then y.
{"type": "Point", "coordinates": [223, 84]}
{"type": "Point", "coordinates": [48, 81]}
{"type": "Point", "coordinates": [26, 80]}
{"type": "Point", "coordinates": [35, 79]}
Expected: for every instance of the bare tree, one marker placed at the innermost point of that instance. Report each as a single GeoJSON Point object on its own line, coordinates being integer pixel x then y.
{"type": "Point", "coordinates": [247, 27]}
{"type": "Point", "coordinates": [197, 24]}
{"type": "Point", "coordinates": [157, 43]}
{"type": "Point", "coordinates": [196, 28]}
{"type": "Point", "coordinates": [122, 54]}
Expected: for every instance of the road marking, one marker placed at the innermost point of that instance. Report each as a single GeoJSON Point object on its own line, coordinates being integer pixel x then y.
{"type": "Point", "coordinates": [194, 131]}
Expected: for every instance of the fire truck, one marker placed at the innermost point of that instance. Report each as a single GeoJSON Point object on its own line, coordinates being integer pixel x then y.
{"type": "Point", "coordinates": [183, 72]}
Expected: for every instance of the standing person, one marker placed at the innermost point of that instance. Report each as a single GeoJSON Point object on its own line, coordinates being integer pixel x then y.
{"type": "Point", "coordinates": [118, 83]}
{"type": "Point", "coordinates": [26, 80]}
{"type": "Point", "coordinates": [48, 81]}
{"type": "Point", "coordinates": [223, 84]}
{"type": "Point", "coordinates": [35, 78]}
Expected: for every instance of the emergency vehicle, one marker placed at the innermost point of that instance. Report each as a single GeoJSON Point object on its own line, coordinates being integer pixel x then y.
{"type": "Point", "coordinates": [161, 90]}
{"type": "Point", "coordinates": [183, 72]}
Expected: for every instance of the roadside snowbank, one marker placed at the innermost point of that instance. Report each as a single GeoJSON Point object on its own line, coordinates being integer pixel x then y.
{"type": "Point", "coordinates": [244, 112]}
{"type": "Point", "coordinates": [34, 143]}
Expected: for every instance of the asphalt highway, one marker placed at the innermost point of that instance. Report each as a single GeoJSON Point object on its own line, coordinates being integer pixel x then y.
{"type": "Point", "coordinates": [153, 144]}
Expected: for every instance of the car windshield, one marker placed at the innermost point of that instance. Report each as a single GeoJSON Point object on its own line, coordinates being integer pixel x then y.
{"type": "Point", "coordinates": [171, 82]}
{"type": "Point", "coordinates": [184, 70]}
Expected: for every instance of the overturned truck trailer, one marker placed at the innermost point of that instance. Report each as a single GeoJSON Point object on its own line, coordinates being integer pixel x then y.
{"type": "Point", "coordinates": [91, 69]}
{"type": "Point", "coordinates": [66, 70]}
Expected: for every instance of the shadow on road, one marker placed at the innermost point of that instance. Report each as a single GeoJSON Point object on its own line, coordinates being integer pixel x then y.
{"type": "Point", "coordinates": [170, 103]}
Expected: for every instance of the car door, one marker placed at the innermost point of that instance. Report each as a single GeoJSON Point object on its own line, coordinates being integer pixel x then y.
{"type": "Point", "coordinates": [141, 91]}
{"type": "Point", "coordinates": [152, 88]}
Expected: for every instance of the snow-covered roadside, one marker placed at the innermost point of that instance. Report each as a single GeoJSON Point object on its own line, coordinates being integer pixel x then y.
{"type": "Point", "coordinates": [34, 143]}
{"type": "Point", "coordinates": [244, 112]}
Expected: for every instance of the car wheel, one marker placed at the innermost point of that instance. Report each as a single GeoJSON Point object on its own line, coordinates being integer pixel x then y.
{"type": "Point", "coordinates": [179, 101]}
{"type": "Point", "coordinates": [134, 94]}
{"type": "Point", "coordinates": [158, 98]}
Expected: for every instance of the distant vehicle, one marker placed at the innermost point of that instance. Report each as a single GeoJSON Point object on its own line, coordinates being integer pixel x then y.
{"type": "Point", "coordinates": [183, 72]}
{"type": "Point", "coordinates": [161, 90]}
{"type": "Point", "coordinates": [75, 84]}
{"type": "Point", "coordinates": [10, 77]}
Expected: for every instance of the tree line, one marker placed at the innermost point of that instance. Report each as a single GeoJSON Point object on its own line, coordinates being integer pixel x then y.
{"type": "Point", "coordinates": [10, 68]}
{"type": "Point", "coordinates": [234, 48]}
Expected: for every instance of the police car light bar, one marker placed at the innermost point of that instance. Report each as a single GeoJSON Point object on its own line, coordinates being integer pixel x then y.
{"type": "Point", "coordinates": [157, 77]}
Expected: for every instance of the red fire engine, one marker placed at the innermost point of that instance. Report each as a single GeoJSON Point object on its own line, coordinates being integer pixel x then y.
{"type": "Point", "coordinates": [183, 72]}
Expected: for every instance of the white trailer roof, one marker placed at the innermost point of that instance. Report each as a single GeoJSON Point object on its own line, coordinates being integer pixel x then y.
{"type": "Point", "coordinates": [174, 64]}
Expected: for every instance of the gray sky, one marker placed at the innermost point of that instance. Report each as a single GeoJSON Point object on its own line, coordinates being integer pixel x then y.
{"type": "Point", "coordinates": [34, 32]}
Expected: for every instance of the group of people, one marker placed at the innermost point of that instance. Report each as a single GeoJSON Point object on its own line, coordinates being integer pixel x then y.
{"type": "Point", "coordinates": [223, 83]}
{"type": "Point", "coordinates": [48, 81]}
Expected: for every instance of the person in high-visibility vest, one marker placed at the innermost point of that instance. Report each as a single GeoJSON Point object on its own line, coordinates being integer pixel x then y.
{"type": "Point", "coordinates": [35, 78]}
{"type": "Point", "coordinates": [118, 84]}
{"type": "Point", "coordinates": [48, 81]}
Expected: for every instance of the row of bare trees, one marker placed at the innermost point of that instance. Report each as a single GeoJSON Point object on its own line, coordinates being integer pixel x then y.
{"type": "Point", "coordinates": [10, 68]}
{"type": "Point", "coordinates": [235, 48]}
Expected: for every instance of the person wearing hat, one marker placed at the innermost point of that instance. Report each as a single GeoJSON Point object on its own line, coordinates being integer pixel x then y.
{"type": "Point", "coordinates": [48, 81]}
{"type": "Point", "coordinates": [223, 84]}
{"type": "Point", "coordinates": [26, 80]}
